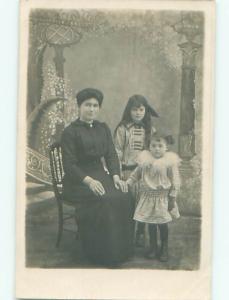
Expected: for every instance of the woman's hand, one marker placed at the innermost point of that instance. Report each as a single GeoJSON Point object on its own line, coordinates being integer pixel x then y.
{"type": "Point", "coordinates": [95, 186]}
{"type": "Point", "coordinates": [120, 184]}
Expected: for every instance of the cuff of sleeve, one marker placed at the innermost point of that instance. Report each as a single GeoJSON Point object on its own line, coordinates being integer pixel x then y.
{"type": "Point", "coordinates": [114, 172]}
{"type": "Point", "coordinates": [81, 175]}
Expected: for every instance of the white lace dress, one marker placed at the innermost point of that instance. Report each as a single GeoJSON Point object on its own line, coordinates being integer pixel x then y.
{"type": "Point", "coordinates": [158, 178]}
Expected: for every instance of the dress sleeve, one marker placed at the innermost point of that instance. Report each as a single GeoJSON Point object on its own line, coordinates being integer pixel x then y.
{"type": "Point", "coordinates": [69, 157]}
{"type": "Point", "coordinates": [175, 180]}
{"type": "Point", "coordinates": [134, 176]}
{"type": "Point", "coordinates": [111, 156]}
{"type": "Point", "coordinates": [119, 142]}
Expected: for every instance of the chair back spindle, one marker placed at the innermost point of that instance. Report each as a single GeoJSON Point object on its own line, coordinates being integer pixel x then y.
{"type": "Point", "coordinates": [57, 170]}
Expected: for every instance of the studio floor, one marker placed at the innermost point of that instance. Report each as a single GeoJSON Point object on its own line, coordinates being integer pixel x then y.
{"type": "Point", "coordinates": [41, 252]}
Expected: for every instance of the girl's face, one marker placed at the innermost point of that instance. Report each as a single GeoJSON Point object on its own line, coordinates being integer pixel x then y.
{"type": "Point", "coordinates": [89, 109]}
{"type": "Point", "coordinates": [158, 148]}
{"type": "Point", "coordinates": [137, 113]}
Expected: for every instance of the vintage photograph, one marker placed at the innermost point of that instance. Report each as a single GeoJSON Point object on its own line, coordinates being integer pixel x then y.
{"type": "Point", "coordinates": [114, 135]}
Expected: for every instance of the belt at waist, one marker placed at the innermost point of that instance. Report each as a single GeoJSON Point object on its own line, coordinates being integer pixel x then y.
{"type": "Point", "coordinates": [128, 168]}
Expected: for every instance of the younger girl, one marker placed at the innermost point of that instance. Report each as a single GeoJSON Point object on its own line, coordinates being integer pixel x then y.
{"type": "Point", "coordinates": [159, 179]}
{"type": "Point", "coordinates": [132, 135]}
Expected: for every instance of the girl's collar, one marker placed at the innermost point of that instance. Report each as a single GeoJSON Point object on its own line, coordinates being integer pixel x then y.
{"type": "Point", "coordinates": [132, 124]}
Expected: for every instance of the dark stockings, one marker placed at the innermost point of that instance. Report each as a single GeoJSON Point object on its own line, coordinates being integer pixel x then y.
{"type": "Point", "coordinates": [153, 234]}
{"type": "Point", "coordinates": [164, 233]}
{"type": "Point", "coordinates": [152, 251]}
{"type": "Point", "coordinates": [140, 233]}
{"type": "Point", "coordinates": [140, 228]}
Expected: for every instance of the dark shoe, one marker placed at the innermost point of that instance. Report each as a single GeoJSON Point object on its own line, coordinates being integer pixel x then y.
{"type": "Point", "coordinates": [164, 252]}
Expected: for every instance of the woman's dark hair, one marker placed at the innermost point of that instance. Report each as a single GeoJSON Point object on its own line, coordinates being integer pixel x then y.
{"type": "Point", "coordinates": [137, 101]}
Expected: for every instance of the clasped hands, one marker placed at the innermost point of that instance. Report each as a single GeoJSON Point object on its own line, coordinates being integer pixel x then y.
{"type": "Point", "coordinates": [97, 188]}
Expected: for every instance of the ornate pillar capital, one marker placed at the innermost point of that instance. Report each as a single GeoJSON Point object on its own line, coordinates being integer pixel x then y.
{"type": "Point", "coordinates": [189, 50]}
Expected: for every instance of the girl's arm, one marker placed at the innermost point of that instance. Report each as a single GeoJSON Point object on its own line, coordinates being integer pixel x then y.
{"type": "Point", "coordinates": [134, 176]}
{"type": "Point", "coordinates": [119, 141]}
{"type": "Point", "coordinates": [175, 187]}
{"type": "Point", "coordinates": [111, 157]}
{"type": "Point", "coordinates": [175, 180]}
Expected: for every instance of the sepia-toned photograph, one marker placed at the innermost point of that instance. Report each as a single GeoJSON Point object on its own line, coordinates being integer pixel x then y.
{"type": "Point", "coordinates": [114, 107]}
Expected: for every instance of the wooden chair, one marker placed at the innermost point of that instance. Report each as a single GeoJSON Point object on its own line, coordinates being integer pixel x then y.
{"type": "Point", "coordinates": [57, 172]}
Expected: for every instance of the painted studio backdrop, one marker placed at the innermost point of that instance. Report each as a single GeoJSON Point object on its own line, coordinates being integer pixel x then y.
{"type": "Point", "coordinates": [157, 54]}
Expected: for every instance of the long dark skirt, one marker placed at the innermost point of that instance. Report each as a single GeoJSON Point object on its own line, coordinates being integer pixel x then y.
{"type": "Point", "coordinates": [105, 223]}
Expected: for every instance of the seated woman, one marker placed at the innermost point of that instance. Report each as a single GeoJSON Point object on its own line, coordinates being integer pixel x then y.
{"type": "Point", "coordinates": [104, 208]}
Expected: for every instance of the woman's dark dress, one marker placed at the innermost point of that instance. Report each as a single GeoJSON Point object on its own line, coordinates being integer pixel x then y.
{"type": "Point", "coordinates": [105, 222]}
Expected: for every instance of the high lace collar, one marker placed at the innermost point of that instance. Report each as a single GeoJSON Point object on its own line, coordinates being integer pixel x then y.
{"type": "Point", "coordinates": [79, 122]}
{"type": "Point", "coordinates": [136, 125]}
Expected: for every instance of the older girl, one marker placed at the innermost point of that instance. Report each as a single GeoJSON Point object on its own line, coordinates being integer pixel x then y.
{"type": "Point", "coordinates": [132, 135]}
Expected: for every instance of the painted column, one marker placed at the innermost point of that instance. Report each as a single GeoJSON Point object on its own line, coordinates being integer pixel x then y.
{"type": "Point", "coordinates": [187, 106]}
{"type": "Point", "coordinates": [59, 61]}
{"type": "Point", "coordinates": [60, 36]}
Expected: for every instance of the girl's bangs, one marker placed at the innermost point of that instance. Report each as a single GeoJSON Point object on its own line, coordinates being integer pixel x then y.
{"type": "Point", "coordinates": [137, 103]}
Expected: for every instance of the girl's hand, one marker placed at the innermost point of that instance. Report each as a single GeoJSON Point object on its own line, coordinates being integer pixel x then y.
{"type": "Point", "coordinates": [171, 203]}
{"type": "Point", "coordinates": [95, 186]}
{"type": "Point", "coordinates": [123, 186]}
{"type": "Point", "coordinates": [120, 184]}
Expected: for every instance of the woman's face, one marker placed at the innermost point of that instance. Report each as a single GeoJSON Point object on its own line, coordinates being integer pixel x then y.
{"type": "Point", "coordinates": [137, 113]}
{"type": "Point", "coordinates": [89, 109]}
{"type": "Point", "coordinates": [158, 148]}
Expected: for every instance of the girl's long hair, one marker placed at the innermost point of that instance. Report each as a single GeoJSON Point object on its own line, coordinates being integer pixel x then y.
{"type": "Point", "coordinates": [137, 101]}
